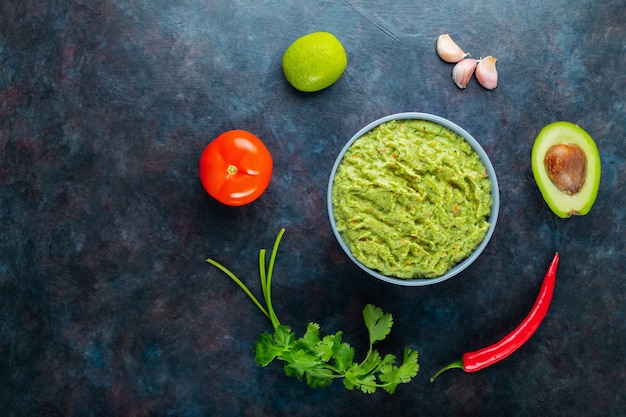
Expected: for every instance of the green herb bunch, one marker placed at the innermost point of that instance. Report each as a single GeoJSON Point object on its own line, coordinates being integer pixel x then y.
{"type": "Point", "coordinates": [322, 359]}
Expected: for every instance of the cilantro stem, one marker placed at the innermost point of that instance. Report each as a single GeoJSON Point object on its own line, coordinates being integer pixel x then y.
{"type": "Point", "coordinates": [336, 373]}
{"type": "Point", "coordinates": [369, 353]}
{"type": "Point", "coordinates": [266, 280]}
{"type": "Point", "coordinates": [241, 284]}
{"type": "Point", "coordinates": [267, 288]}
{"type": "Point", "coordinates": [267, 292]}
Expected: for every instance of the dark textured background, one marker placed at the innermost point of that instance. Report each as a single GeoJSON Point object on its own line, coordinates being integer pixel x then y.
{"type": "Point", "coordinates": [107, 307]}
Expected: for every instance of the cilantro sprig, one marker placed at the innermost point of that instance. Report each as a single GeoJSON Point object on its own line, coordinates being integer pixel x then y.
{"type": "Point", "coordinates": [317, 359]}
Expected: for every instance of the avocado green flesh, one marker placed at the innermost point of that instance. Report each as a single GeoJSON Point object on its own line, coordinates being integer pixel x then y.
{"type": "Point", "coordinates": [561, 203]}
{"type": "Point", "coordinates": [411, 199]}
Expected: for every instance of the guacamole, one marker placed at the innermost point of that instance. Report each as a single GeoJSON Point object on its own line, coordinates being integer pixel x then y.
{"type": "Point", "coordinates": [411, 199]}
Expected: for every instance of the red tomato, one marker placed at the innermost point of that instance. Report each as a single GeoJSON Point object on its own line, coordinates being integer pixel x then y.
{"type": "Point", "coordinates": [236, 168]}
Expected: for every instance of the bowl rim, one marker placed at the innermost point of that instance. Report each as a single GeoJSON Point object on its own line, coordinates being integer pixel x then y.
{"type": "Point", "coordinates": [495, 197]}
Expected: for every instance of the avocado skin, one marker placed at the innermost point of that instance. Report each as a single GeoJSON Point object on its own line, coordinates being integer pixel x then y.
{"type": "Point", "coordinates": [562, 204]}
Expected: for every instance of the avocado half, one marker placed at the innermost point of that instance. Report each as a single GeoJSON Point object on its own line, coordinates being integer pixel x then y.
{"type": "Point", "coordinates": [566, 167]}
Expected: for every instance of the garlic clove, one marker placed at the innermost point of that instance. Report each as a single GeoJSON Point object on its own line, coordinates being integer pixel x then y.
{"type": "Point", "coordinates": [448, 50]}
{"type": "Point", "coordinates": [486, 72]}
{"type": "Point", "coordinates": [463, 71]}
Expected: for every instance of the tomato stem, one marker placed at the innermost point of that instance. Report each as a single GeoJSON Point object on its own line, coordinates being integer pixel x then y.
{"type": "Point", "coordinates": [232, 170]}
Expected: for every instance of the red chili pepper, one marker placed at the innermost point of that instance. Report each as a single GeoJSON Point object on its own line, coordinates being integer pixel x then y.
{"type": "Point", "coordinates": [474, 361]}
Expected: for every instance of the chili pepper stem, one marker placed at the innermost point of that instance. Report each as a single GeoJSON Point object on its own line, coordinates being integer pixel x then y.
{"type": "Point", "coordinates": [455, 364]}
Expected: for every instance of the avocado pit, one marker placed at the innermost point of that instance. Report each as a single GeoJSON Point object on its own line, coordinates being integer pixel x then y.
{"type": "Point", "coordinates": [566, 166]}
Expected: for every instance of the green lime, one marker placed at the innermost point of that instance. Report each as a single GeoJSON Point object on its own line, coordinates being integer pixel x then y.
{"type": "Point", "coordinates": [314, 61]}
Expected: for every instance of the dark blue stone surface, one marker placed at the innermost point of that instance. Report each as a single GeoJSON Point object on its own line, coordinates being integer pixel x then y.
{"type": "Point", "coordinates": [107, 306]}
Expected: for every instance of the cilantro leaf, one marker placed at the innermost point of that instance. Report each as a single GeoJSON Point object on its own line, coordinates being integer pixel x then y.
{"type": "Point", "coordinates": [391, 376]}
{"type": "Point", "coordinates": [284, 337]}
{"type": "Point", "coordinates": [378, 323]}
{"type": "Point", "coordinates": [368, 384]}
{"type": "Point", "coordinates": [355, 377]}
{"type": "Point", "coordinates": [298, 361]}
{"type": "Point", "coordinates": [311, 337]}
{"type": "Point", "coordinates": [320, 378]}
{"type": "Point", "coordinates": [264, 350]}
{"type": "Point", "coordinates": [343, 355]}
{"type": "Point", "coordinates": [324, 348]}
{"type": "Point", "coordinates": [409, 367]}
{"type": "Point", "coordinates": [269, 347]}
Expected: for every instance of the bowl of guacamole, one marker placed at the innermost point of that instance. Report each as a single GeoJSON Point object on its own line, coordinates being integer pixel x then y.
{"type": "Point", "coordinates": [413, 199]}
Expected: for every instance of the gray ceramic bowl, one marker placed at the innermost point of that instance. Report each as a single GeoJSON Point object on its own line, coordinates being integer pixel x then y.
{"type": "Point", "coordinates": [495, 197]}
